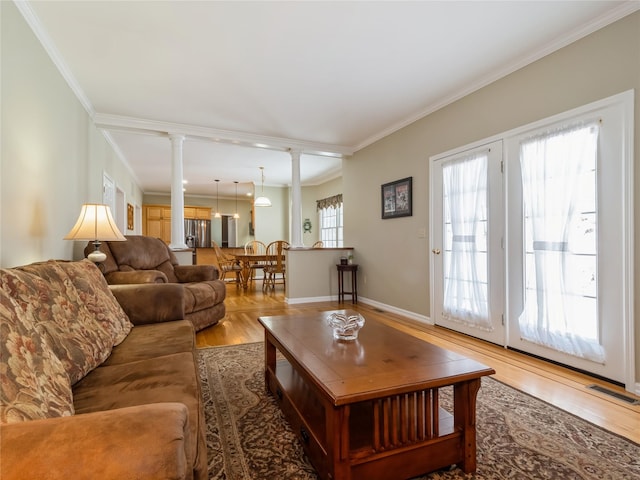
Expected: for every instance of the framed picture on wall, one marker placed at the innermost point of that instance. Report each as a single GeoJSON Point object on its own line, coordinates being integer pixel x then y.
{"type": "Point", "coordinates": [396, 198]}
{"type": "Point", "coordinates": [129, 217]}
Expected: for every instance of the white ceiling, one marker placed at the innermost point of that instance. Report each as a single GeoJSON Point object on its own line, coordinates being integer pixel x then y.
{"type": "Point", "coordinates": [322, 76]}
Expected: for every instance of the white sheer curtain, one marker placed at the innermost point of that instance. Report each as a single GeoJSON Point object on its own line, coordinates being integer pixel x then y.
{"type": "Point", "coordinates": [465, 255]}
{"type": "Point", "coordinates": [558, 180]}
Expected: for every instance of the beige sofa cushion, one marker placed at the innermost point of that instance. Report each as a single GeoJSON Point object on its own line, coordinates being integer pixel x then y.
{"type": "Point", "coordinates": [34, 382]}
{"type": "Point", "coordinates": [154, 340]}
{"type": "Point", "coordinates": [168, 378]}
{"type": "Point", "coordinates": [61, 317]}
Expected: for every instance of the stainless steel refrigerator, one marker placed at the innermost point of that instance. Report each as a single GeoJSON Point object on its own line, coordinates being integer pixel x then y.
{"type": "Point", "coordinates": [197, 233]}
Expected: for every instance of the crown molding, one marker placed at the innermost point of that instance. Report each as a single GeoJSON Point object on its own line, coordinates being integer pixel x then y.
{"type": "Point", "coordinates": [154, 127]}
{"type": "Point", "coordinates": [609, 17]}
{"type": "Point", "coordinates": [116, 149]}
{"type": "Point", "coordinates": [41, 34]}
{"type": "Point", "coordinates": [150, 127]}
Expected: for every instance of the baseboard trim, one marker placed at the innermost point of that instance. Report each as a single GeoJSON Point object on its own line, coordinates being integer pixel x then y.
{"type": "Point", "coordinates": [367, 301]}
{"type": "Point", "coordinates": [396, 310]}
{"type": "Point", "coordinates": [294, 301]}
{"type": "Point", "coordinates": [388, 308]}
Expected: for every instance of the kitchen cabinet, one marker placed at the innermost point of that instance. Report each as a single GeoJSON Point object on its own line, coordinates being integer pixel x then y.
{"type": "Point", "coordinates": [156, 222]}
{"type": "Point", "coordinates": [198, 213]}
{"type": "Point", "coordinates": [156, 219]}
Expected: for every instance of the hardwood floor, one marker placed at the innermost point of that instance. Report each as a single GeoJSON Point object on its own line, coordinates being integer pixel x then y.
{"type": "Point", "coordinates": [554, 384]}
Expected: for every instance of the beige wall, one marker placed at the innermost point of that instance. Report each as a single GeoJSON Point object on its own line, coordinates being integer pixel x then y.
{"type": "Point", "coordinates": [53, 158]}
{"type": "Point", "coordinates": [394, 260]}
{"type": "Point", "coordinates": [272, 223]}
{"type": "Point", "coordinates": [227, 207]}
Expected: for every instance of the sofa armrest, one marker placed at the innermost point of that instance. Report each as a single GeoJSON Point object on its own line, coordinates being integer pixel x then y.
{"type": "Point", "coordinates": [196, 273]}
{"type": "Point", "coordinates": [136, 276]}
{"type": "Point", "coordinates": [151, 302]}
{"type": "Point", "coordinates": [143, 442]}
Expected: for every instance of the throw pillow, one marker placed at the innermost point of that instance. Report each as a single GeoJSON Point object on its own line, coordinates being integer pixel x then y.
{"type": "Point", "coordinates": [75, 337]}
{"type": "Point", "coordinates": [34, 383]}
{"type": "Point", "coordinates": [95, 294]}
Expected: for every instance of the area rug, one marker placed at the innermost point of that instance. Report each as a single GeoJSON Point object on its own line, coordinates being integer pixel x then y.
{"type": "Point", "coordinates": [519, 437]}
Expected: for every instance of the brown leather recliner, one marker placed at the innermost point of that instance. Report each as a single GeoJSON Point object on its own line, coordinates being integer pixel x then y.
{"type": "Point", "coordinates": [195, 289]}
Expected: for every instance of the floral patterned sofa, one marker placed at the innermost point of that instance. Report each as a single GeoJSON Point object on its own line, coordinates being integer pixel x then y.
{"type": "Point", "coordinates": [85, 393]}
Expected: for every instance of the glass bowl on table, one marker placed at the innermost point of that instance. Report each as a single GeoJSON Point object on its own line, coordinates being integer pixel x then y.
{"type": "Point", "coordinates": [345, 327]}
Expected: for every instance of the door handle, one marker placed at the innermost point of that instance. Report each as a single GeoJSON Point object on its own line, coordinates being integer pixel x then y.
{"type": "Point", "coordinates": [436, 251]}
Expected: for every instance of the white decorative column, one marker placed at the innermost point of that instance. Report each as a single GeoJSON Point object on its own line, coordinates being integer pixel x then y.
{"type": "Point", "coordinates": [296, 201]}
{"type": "Point", "coordinates": [177, 195]}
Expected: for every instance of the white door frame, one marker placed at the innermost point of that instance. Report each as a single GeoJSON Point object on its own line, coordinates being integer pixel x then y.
{"type": "Point", "coordinates": [495, 241]}
{"type": "Point", "coordinates": [625, 103]}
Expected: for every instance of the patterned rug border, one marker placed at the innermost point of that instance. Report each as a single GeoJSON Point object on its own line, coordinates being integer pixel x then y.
{"type": "Point", "coordinates": [529, 439]}
{"type": "Point", "coordinates": [577, 417]}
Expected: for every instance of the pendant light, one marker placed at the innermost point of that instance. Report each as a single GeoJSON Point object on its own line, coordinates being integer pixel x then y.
{"type": "Point", "coordinates": [217, 214]}
{"type": "Point", "coordinates": [262, 201]}
{"type": "Point", "coordinates": [235, 215]}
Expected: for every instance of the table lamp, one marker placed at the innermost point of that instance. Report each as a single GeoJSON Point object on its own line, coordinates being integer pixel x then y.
{"type": "Point", "coordinates": [94, 224]}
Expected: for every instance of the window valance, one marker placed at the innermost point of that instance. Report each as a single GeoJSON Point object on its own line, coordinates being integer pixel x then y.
{"type": "Point", "coordinates": [334, 201]}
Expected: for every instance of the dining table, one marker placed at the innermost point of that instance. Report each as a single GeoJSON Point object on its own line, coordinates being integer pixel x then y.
{"type": "Point", "coordinates": [246, 260]}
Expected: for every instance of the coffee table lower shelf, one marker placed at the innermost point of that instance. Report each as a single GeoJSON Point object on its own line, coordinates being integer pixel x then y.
{"type": "Point", "coordinates": [392, 437]}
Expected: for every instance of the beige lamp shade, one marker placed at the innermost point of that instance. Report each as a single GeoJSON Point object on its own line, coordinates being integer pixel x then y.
{"type": "Point", "coordinates": [95, 223]}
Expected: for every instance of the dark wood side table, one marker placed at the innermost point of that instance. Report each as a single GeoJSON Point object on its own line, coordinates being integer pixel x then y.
{"type": "Point", "coordinates": [353, 268]}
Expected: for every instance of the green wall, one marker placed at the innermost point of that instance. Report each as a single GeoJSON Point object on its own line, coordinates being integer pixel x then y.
{"type": "Point", "coordinates": [53, 157]}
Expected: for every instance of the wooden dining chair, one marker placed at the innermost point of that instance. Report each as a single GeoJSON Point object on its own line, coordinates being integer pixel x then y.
{"type": "Point", "coordinates": [227, 264]}
{"type": "Point", "coordinates": [275, 265]}
{"type": "Point", "coordinates": [255, 247]}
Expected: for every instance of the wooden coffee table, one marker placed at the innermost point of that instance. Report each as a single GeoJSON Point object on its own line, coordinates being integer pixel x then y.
{"type": "Point", "coordinates": [370, 409]}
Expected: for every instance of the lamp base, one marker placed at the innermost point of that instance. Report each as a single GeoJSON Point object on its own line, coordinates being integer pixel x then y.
{"type": "Point", "coordinates": [97, 256]}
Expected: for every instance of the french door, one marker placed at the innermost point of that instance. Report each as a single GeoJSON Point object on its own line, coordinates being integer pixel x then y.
{"type": "Point", "coordinates": [569, 256]}
{"type": "Point", "coordinates": [467, 238]}
{"type": "Point", "coordinates": [556, 282]}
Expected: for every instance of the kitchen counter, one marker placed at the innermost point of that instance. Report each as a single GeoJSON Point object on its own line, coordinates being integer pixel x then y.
{"type": "Point", "coordinates": [185, 256]}
{"type": "Point", "coordinates": [322, 285]}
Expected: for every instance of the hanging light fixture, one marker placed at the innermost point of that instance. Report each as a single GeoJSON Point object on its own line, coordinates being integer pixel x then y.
{"type": "Point", "coordinates": [262, 201]}
{"type": "Point", "coordinates": [217, 214]}
{"type": "Point", "coordinates": [235, 215]}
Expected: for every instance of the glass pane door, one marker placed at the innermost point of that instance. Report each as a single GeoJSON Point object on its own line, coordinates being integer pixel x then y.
{"type": "Point", "coordinates": [567, 232]}
{"type": "Point", "coordinates": [467, 252]}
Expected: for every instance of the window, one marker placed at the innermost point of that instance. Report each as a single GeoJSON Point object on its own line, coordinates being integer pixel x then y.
{"type": "Point", "coordinates": [330, 220]}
